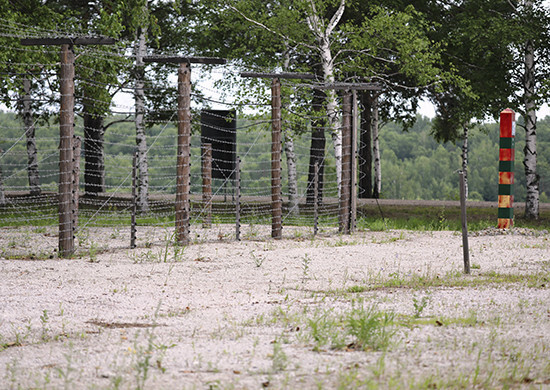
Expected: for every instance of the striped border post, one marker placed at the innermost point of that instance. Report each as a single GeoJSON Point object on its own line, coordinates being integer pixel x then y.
{"type": "Point", "coordinates": [506, 169]}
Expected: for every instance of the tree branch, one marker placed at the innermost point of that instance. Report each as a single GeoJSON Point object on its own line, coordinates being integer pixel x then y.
{"type": "Point", "coordinates": [336, 18]}
{"type": "Point", "coordinates": [261, 25]}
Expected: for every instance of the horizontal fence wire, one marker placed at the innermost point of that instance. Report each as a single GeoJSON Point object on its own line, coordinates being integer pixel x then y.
{"type": "Point", "coordinates": [29, 160]}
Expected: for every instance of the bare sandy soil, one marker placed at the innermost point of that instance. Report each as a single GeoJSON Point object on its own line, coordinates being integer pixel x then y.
{"type": "Point", "coordinates": [288, 314]}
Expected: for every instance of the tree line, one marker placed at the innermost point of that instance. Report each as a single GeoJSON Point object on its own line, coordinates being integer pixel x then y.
{"type": "Point", "coordinates": [471, 58]}
{"type": "Point", "coordinates": [426, 171]}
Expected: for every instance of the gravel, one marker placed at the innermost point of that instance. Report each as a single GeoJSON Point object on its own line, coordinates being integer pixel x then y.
{"type": "Point", "coordinates": [227, 314]}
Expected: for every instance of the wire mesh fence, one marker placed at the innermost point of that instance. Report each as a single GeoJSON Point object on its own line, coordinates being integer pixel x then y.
{"type": "Point", "coordinates": [30, 157]}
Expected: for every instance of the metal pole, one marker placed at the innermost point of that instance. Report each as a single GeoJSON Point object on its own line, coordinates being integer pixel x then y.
{"type": "Point", "coordinates": [238, 200]}
{"type": "Point", "coordinates": [207, 184]}
{"type": "Point", "coordinates": [66, 132]}
{"type": "Point", "coordinates": [184, 138]}
{"type": "Point", "coordinates": [276, 199]}
{"type": "Point", "coordinates": [134, 201]}
{"type": "Point", "coordinates": [465, 247]}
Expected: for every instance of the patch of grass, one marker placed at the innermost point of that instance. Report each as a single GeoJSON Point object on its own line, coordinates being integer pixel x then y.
{"type": "Point", "coordinates": [420, 305]}
{"type": "Point", "coordinates": [451, 279]}
{"type": "Point", "coordinates": [370, 328]}
{"type": "Point", "coordinates": [364, 328]}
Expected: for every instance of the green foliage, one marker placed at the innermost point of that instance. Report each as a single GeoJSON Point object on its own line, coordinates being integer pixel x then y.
{"type": "Point", "coordinates": [414, 165]}
{"type": "Point", "coordinates": [362, 328]}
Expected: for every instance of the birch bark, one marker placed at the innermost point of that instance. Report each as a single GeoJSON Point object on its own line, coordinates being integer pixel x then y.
{"type": "Point", "coordinates": [323, 34]}
{"type": "Point", "coordinates": [141, 139]}
{"type": "Point", "coordinates": [530, 149]}
{"type": "Point", "coordinates": [292, 174]}
{"type": "Point", "coordinates": [32, 151]}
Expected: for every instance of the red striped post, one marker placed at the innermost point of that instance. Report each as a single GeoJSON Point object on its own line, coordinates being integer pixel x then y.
{"type": "Point", "coordinates": [506, 169]}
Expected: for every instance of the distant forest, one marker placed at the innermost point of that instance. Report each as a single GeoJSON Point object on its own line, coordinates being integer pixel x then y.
{"type": "Point", "coordinates": [414, 165]}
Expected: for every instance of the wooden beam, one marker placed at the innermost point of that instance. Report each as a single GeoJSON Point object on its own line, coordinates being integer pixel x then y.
{"type": "Point", "coordinates": [180, 60]}
{"type": "Point", "coordinates": [302, 76]}
{"type": "Point", "coordinates": [350, 86]}
{"type": "Point", "coordinates": [68, 41]}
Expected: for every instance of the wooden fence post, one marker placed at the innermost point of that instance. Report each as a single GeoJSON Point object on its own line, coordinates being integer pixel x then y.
{"type": "Point", "coordinates": [344, 202]}
{"type": "Point", "coordinates": [183, 160]}
{"type": "Point", "coordinates": [465, 247]}
{"type": "Point", "coordinates": [134, 201]}
{"type": "Point", "coordinates": [207, 185]}
{"type": "Point", "coordinates": [276, 199]}
{"type": "Point", "coordinates": [66, 132]}
{"type": "Point", "coordinates": [77, 144]}
{"type": "Point", "coordinates": [238, 199]}
{"type": "Point", "coordinates": [353, 168]}
{"type": "Point", "coordinates": [316, 199]}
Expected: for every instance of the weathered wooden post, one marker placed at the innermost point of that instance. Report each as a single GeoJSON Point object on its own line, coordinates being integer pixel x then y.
{"type": "Point", "coordinates": [134, 201]}
{"type": "Point", "coordinates": [345, 190]}
{"type": "Point", "coordinates": [182, 206]}
{"type": "Point", "coordinates": [183, 157]}
{"type": "Point", "coordinates": [276, 198]}
{"type": "Point", "coordinates": [354, 162]}
{"type": "Point", "coordinates": [77, 144]}
{"type": "Point", "coordinates": [464, 219]}
{"type": "Point", "coordinates": [238, 199]}
{"type": "Point", "coordinates": [66, 130]}
{"type": "Point", "coordinates": [207, 185]}
{"type": "Point", "coordinates": [347, 205]}
{"type": "Point", "coordinates": [66, 133]}
{"type": "Point", "coordinates": [316, 199]}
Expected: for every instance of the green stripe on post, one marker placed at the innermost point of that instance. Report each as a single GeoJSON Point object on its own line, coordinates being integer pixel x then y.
{"type": "Point", "coordinates": [505, 189]}
{"type": "Point", "coordinates": [506, 213]}
{"type": "Point", "coordinates": [506, 166]}
{"type": "Point", "coordinates": [507, 143]}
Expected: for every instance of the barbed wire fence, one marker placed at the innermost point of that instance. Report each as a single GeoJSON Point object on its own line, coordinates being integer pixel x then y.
{"type": "Point", "coordinates": [105, 217]}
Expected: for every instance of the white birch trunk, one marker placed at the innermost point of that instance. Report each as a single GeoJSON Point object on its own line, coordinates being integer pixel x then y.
{"type": "Point", "coordinates": [465, 159]}
{"type": "Point", "coordinates": [323, 35]}
{"type": "Point", "coordinates": [530, 150]}
{"type": "Point", "coordinates": [292, 172]}
{"type": "Point", "coordinates": [141, 139]}
{"type": "Point", "coordinates": [376, 150]}
{"type": "Point", "coordinates": [32, 151]}
{"type": "Point", "coordinates": [291, 157]}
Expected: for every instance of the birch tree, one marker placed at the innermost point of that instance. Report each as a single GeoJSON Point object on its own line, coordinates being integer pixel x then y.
{"type": "Point", "coordinates": [24, 84]}
{"type": "Point", "coordinates": [32, 151]}
{"type": "Point", "coordinates": [323, 33]}
{"type": "Point", "coordinates": [530, 114]}
{"type": "Point", "coordinates": [141, 137]}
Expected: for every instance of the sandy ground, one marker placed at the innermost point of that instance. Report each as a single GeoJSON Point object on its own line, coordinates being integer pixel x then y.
{"type": "Point", "coordinates": [274, 314]}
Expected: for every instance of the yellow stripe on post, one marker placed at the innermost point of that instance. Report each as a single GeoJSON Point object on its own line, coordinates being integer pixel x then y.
{"type": "Point", "coordinates": [504, 223]}
{"type": "Point", "coordinates": [505, 201]}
